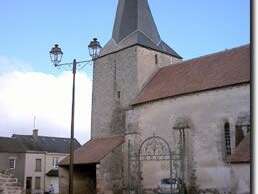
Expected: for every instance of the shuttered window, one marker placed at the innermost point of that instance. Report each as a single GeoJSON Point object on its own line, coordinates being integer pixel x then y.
{"type": "Point", "coordinates": [38, 165]}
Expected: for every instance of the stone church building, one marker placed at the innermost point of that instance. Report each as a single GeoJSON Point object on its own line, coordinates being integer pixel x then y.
{"type": "Point", "coordinates": [158, 117]}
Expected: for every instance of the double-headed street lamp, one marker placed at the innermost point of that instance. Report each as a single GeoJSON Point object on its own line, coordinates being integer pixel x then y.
{"type": "Point", "coordinates": [56, 55]}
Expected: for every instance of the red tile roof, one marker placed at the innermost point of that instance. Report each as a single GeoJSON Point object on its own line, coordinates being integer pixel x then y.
{"type": "Point", "coordinates": [94, 150]}
{"type": "Point", "coordinates": [212, 71]}
{"type": "Point", "coordinates": [242, 152]}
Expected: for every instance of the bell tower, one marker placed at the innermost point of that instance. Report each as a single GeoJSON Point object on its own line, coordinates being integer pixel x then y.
{"type": "Point", "coordinates": [132, 56]}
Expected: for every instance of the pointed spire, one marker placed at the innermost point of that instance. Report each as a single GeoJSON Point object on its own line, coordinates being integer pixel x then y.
{"type": "Point", "coordinates": [134, 25]}
{"type": "Point", "coordinates": [132, 16]}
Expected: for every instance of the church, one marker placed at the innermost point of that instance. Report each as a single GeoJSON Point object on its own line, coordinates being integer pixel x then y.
{"type": "Point", "coordinates": [161, 124]}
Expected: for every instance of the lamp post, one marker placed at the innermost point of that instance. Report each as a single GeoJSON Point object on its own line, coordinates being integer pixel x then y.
{"type": "Point", "coordinates": [56, 55]}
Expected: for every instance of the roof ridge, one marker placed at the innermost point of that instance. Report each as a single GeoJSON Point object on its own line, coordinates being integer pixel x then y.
{"type": "Point", "coordinates": [107, 137]}
{"type": "Point", "coordinates": [5, 137]}
{"type": "Point", "coordinates": [44, 136]}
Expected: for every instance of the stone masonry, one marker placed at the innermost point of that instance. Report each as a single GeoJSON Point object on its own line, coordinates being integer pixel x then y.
{"type": "Point", "coordinates": [118, 78]}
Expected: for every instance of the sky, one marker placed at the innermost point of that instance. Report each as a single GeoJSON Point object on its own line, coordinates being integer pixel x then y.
{"type": "Point", "coordinates": [30, 86]}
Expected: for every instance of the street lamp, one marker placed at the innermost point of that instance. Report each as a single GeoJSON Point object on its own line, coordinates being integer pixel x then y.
{"type": "Point", "coordinates": [94, 48]}
{"type": "Point", "coordinates": [56, 55]}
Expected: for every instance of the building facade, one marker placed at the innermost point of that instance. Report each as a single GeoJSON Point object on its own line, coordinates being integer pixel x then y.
{"type": "Point", "coordinates": [33, 160]}
{"type": "Point", "coordinates": [161, 117]}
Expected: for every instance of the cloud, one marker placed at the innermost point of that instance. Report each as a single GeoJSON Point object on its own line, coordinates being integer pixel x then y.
{"type": "Point", "coordinates": [9, 64]}
{"type": "Point", "coordinates": [24, 95]}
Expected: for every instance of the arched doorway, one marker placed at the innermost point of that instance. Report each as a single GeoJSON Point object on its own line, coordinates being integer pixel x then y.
{"type": "Point", "coordinates": [154, 148]}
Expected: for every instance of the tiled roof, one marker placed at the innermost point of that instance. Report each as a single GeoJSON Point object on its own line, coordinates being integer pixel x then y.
{"type": "Point", "coordinates": [24, 143]}
{"type": "Point", "coordinates": [242, 152]}
{"type": "Point", "coordinates": [217, 70]}
{"type": "Point", "coordinates": [94, 150]}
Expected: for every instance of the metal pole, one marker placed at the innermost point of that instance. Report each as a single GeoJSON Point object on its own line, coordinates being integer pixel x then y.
{"type": "Point", "coordinates": [170, 169]}
{"type": "Point", "coordinates": [72, 132]}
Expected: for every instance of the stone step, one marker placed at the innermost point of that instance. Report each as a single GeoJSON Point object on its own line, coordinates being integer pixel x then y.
{"type": "Point", "coordinates": [14, 192]}
{"type": "Point", "coordinates": [12, 188]}
{"type": "Point", "coordinates": [4, 180]}
{"type": "Point", "coordinates": [4, 175]}
{"type": "Point", "coordinates": [11, 184]}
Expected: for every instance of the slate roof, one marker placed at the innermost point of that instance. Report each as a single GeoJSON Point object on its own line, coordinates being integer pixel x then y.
{"type": "Point", "coordinates": [212, 71]}
{"type": "Point", "coordinates": [94, 150]}
{"type": "Point", "coordinates": [242, 152]}
{"type": "Point", "coordinates": [134, 25]}
{"type": "Point", "coordinates": [24, 143]}
{"type": "Point", "coordinates": [10, 145]}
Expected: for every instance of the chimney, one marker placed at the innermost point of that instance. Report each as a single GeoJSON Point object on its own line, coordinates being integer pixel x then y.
{"type": "Point", "coordinates": [35, 133]}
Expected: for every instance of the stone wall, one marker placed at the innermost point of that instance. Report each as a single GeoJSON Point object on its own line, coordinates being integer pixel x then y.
{"type": "Point", "coordinates": [241, 178]}
{"type": "Point", "coordinates": [207, 112]}
{"type": "Point", "coordinates": [117, 80]}
{"type": "Point", "coordinates": [110, 173]}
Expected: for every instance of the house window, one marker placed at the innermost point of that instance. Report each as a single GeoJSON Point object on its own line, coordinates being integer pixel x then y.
{"type": "Point", "coordinates": [38, 165]}
{"type": "Point", "coordinates": [156, 59]}
{"type": "Point", "coordinates": [227, 138]}
{"type": "Point", "coordinates": [55, 162]}
{"type": "Point", "coordinates": [37, 183]}
{"type": "Point", "coordinates": [12, 163]}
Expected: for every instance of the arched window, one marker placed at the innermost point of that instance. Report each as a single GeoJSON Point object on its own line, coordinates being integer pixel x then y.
{"type": "Point", "coordinates": [227, 138]}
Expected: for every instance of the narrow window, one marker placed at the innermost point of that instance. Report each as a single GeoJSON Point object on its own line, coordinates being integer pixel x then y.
{"type": "Point", "coordinates": [38, 165]}
{"type": "Point", "coordinates": [227, 138]}
{"type": "Point", "coordinates": [115, 70]}
{"type": "Point", "coordinates": [55, 162]}
{"type": "Point", "coordinates": [156, 59]}
{"type": "Point", "coordinates": [12, 163]}
{"type": "Point", "coordinates": [118, 94]}
{"type": "Point", "coordinates": [37, 183]}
